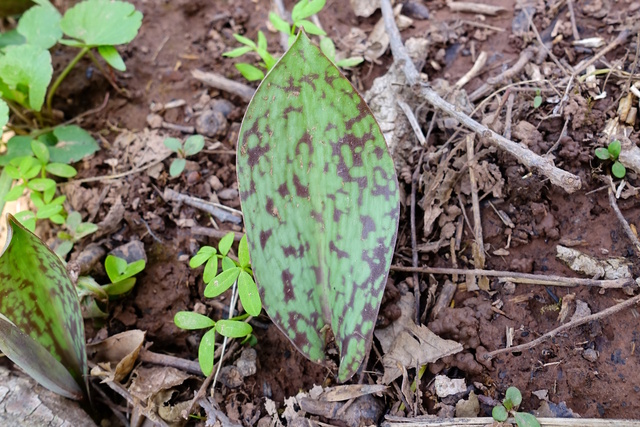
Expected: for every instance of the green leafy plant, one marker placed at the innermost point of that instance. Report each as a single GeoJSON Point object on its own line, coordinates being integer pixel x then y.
{"type": "Point", "coordinates": [192, 146]}
{"type": "Point", "coordinates": [233, 272]}
{"type": "Point", "coordinates": [75, 230]}
{"type": "Point", "coordinates": [321, 205]}
{"type": "Point", "coordinates": [537, 100]}
{"type": "Point", "coordinates": [94, 297]}
{"type": "Point", "coordinates": [612, 152]}
{"type": "Point", "coordinates": [302, 10]}
{"type": "Point", "coordinates": [509, 406]}
{"type": "Point", "coordinates": [41, 327]}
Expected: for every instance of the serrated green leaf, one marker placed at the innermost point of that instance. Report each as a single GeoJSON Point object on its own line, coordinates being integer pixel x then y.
{"type": "Point", "coordinates": [614, 149]}
{"type": "Point", "coordinates": [499, 413]}
{"type": "Point", "coordinates": [206, 351]}
{"type": "Point", "coordinates": [350, 62]}
{"type": "Point", "coordinates": [62, 170]}
{"type": "Point", "coordinates": [193, 145]}
{"type": "Point", "coordinates": [514, 396]}
{"type": "Point", "coordinates": [618, 170]}
{"type": "Point", "coordinates": [250, 72]}
{"type": "Point", "coordinates": [102, 22]}
{"type": "Point", "coordinates": [40, 26]}
{"type": "Point", "coordinates": [72, 145]}
{"type": "Point", "coordinates": [37, 295]}
{"type": "Point", "coordinates": [279, 23]}
{"type": "Point", "coordinates": [311, 28]}
{"type": "Point", "coordinates": [238, 52]}
{"type": "Point", "coordinates": [173, 144]}
{"type": "Point", "coordinates": [221, 282]}
{"type": "Point", "coordinates": [202, 256]}
{"type": "Point", "coordinates": [248, 293]}
{"type": "Point", "coordinates": [233, 328]}
{"type": "Point", "coordinates": [524, 419]}
{"type": "Point", "coordinates": [602, 153]}
{"type": "Point", "coordinates": [115, 267]}
{"type": "Point", "coordinates": [26, 71]}
{"type": "Point", "coordinates": [321, 205]}
{"type": "Point", "coordinates": [243, 252]}
{"type": "Point", "coordinates": [191, 320]}
{"type": "Point", "coordinates": [112, 57]}
{"type": "Point", "coordinates": [40, 150]}
{"type": "Point", "coordinates": [224, 245]}
{"type": "Point", "coordinates": [177, 166]}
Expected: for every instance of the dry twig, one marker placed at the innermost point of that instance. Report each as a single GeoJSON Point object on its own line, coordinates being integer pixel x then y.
{"type": "Point", "coordinates": [621, 218]}
{"type": "Point", "coordinates": [222, 83]}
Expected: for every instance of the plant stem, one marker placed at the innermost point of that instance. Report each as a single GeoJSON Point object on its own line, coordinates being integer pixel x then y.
{"type": "Point", "coordinates": [64, 74]}
{"type": "Point", "coordinates": [104, 72]}
{"type": "Point", "coordinates": [232, 304]}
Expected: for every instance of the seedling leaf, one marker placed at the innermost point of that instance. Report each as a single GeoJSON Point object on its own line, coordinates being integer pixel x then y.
{"type": "Point", "coordinates": [602, 153]}
{"type": "Point", "coordinates": [524, 419]}
{"type": "Point", "coordinates": [37, 296]}
{"type": "Point", "coordinates": [26, 71]}
{"type": "Point", "coordinates": [62, 170]}
{"type": "Point", "coordinates": [328, 48]}
{"type": "Point", "coordinates": [221, 282]}
{"type": "Point", "coordinates": [514, 396]}
{"type": "Point", "coordinates": [248, 292]}
{"type": "Point", "coordinates": [173, 144]}
{"type": "Point", "coordinates": [40, 26]}
{"type": "Point", "coordinates": [225, 244]}
{"type": "Point", "coordinates": [305, 8]}
{"type": "Point", "coordinates": [233, 328]}
{"type": "Point", "coordinates": [48, 211]}
{"type": "Point", "coordinates": [72, 145]}
{"type": "Point", "coordinates": [4, 114]}
{"type": "Point", "coordinates": [102, 22]}
{"type": "Point", "coordinates": [245, 41]}
{"type": "Point", "coordinates": [120, 288]}
{"type": "Point", "coordinates": [115, 267]}
{"type": "Point", "coordinates": [202, 256]}
{"type": "Point", "coordinates": [191, 320]}
{"type": "Point", "coordinates": [537, 101]}
{"type": "Point", "coordinates": [238, 52]}
{"type": "Point", "coordinates": [499, 413]}
{"type": "Point", "coordinates": [350, 62]}
{"type": "Point", "coordinates": [279, 23]}
{"type": "Point", "coordinates": [205, 351]}
{"type": "Point", "coordinates": [177, 166]}
{"type": "Point", "coordinates": [311, 28]}
{"type": "Point", "coordinates": [320, 198]}
{"type": "Point", "coordinates": [113, 58]}
{"type": "Point", "coordinates": [41, 184]}
{"type": "Point", "coordinates": [618, 170]}
{"type": "Point", "coordinates": [193, 145]}
{"type": "Point", "coordinates": [243, 252]}
{"type": "Point", "coordinates": [250, 72]}
{"type": "Point", "coordinates": [41, 151]}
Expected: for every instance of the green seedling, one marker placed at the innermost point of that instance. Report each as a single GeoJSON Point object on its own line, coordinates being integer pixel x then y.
{"type": "Point", "coordinates": [192, 146]}
{"type": "Point", "coordinates": [537, 100]}
{"type": "Point", "coordinates": [301, 11]}
{"type": "Point", "coordinates": [612, 152]}
{"type": "Point", "coordinates": [233, 272]}
{"type": "Point", "coordinates": [75, 230]}
{"type": "Point", "coordinates": [41, 327]}
{"type": "Point", "coordinates": [320, 200]}
{"type": "Point", "coordinates": [509, 406]}
{"type": "Point", "coordinates": [94, 298]}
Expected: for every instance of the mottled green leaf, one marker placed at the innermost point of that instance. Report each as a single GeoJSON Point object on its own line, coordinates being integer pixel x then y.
{"type": "Point", "coordinates": [192, 320]}
{"type": "Point", "coordinates": [321, 205]}
{"type": "Point", "coordinates": [233, 328]}
{"type": "Point", "coordinates": [206, 350]}
{"type": "Point", "coordinates": [37, 296]}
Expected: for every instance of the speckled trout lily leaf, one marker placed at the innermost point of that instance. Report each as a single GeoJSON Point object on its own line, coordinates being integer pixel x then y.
{"type": "Point", "coordinates": [41, 327]}
{"type": "Point", "coordinates": [320, 202]}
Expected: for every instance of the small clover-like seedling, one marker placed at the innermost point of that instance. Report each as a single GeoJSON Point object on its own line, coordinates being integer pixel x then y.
{"type": "Point", "coordinates": [248, 71]}
{"type": "Point", "coordinates": [192, 146]}
{"type": "Point", "coordinates": [611, 153]}
{"type": "Point", "coordinates": [509, 406]}
{"type": "Point", "coordinates": [230, 328]}
{"type": "Point", "coordinates": [94, 298]}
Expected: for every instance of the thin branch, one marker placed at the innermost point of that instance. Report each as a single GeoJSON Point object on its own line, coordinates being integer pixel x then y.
{"type": "Point", "coordinates": [621, 218]}
{"type": "Point", "coordinates": [222, 83]}
{"type": "Point", "coordinates": [572, 324]}
{"type": "Point", "coordinates": [510, 276]}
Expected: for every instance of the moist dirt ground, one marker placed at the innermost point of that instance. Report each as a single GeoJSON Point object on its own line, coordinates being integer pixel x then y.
{"type": "Point", "coordinates": [587, 371]}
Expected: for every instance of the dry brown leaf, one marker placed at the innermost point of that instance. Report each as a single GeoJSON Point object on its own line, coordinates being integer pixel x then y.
{"type": "Point", "coordinates": [120, 350]}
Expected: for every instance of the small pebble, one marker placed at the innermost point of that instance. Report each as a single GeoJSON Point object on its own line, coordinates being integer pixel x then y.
{"type": "Point", "coordinates": [212, 123]}
{"type": "Point", "coordinates": [590, 354]}
{"type": "Point", "coordinates": [230, 376]}
{"type": "Point", "coordinates": [154, 121]}
{"type": "Point", "coordinates": [215, 183]}
{"type": "Point", "coordinates": [228, 194]}
{"type": "Point", "coordinates": [247, 362]}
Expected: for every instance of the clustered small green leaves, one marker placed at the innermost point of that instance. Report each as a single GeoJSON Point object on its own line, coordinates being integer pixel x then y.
{"type": "Point", "coordinates": [192, 146]}
{"type": "Point", "coordinates": [509, 406]}
{"type": "Point", "coordinates": [233, 272]}
{"type": "Point", "coordinates": [611, 153]}
{"type": "Point", "coordinates": [94, 297]}
{"type": "Point", "coordinates": [300, 13]}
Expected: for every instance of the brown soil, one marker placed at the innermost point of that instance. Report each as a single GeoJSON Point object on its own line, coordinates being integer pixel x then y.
{"type": "Point", "coordinates": [182, 35]}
